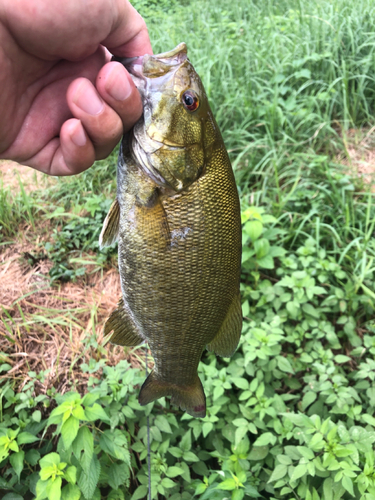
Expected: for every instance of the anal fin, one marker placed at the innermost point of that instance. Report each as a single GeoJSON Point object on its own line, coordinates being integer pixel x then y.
{"type": "Point", "coordinates": [125, 331]}
{"type": "Point", "coordinates": [227, 338]}
{"type": "Point", "coordinates": [110, 226]}
{"type": "Point", "coordinates": [190, 397]}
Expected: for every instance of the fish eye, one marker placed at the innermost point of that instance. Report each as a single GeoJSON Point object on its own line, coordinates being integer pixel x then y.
{"type": "Point", "coordinates": [190, 100]}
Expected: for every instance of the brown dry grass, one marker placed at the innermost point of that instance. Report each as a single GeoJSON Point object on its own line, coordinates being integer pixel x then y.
{"type": "Point", "coordinates": [11, 172]}
{"type": "Point", "coordinates": [360, 153]}
{"type": "Point", "coordinates": [47, 328]}
{"type": "Point", "coordinates": [50, 329]}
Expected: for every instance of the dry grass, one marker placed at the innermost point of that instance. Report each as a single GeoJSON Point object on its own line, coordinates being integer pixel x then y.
{"type": "Point", "coordinates": [11, 172]}
{"type": "Point", "coordinates": [360, 153]}
{"type": "Point", "coordinates": [44, 328]}
{"type": "Point", "coordinates": [50, 329]}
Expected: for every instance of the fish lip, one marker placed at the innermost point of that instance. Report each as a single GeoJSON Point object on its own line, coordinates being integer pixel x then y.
{"type": "Point", "coordinates": [174, 57]}
{"type": "Point", "coordinates": [149, 66]}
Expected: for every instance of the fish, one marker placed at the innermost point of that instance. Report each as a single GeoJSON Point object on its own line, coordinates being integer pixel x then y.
{"type": "Point", "coordinates": [177, 221]}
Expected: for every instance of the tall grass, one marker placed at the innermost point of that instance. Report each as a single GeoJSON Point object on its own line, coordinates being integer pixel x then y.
{"type": "Point", "coordinates": [282, 76]}
{"type": "Point", "coordinates": [16, 208]}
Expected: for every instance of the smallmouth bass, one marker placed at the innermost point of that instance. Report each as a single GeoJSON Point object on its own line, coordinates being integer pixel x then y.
{"type": "Point", "coordinates": [177, 221]}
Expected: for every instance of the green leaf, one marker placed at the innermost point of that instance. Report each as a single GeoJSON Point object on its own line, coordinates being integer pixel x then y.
{"type": "Point", "coordinates": [89, 399]}
{"type": "Point", "coordinates": [253, 229]}
{"type": "Point", "coordinates": [168, 483]}
{"type": "Point", "coordinates": [185, 444]}
{"type": "Point", "coordinates": [96, 412]}
{"type": "Point", "coordinates": [227, 485]}
{"type": "Point", "coordinates": [201, 488]}
{"type": "Point", "coordinates": [32, 457]}
{"type": "Point", "coordinates": [284, 365]}
{"type": "Point", "coordinates": [266, 262]}
{"type": "Point", "coordinates": [278, 473]}
{"type": "Point", "coordinates": [258, 453]}
{"type": "Point", "coordinates": [13, 446]}
{"type": "Point", "coordinates": [298, 472]}
{"type": "Point", "coordinates": [88, 481]}
{"type": "Point", "coordinates": [238, 494]}
{"type": "Point", "coordinates": [207, 428]}
{"type": "Point", "coordinates": [70, 492]}
{"type": "Point", "coordinates": [368, 419]}
{"type": "Point", "coordinates": [26, 438]}
{"type": "Point", "coordinates": [308, 399]}
{"type": "Point", "coordinates": [49, 460]}
{"type": "Point", "coordinates": [348, 485]}
{"type": "Point", "coordinates": [292, 308]}
{"type": "Point", "coordinates": [140, 493]}
{"type": "Point", "coordinates": [12, 496]}
{"type": "Point", "coordinates": [262, 247]}
{"type": "Point", "coordinates": [340, 358]}
{"type": "Point", "coordinates": [118, 475]}
{"type": "Point", "coordinates": [54, 489]}
{"type": "Point", "coordinates": [78, 412]}
{"type": "Point", "coordinates": [176, 452]}
{"type": "Point", "coordinates": [83, 442]}
{"type": "Point", "coordinates": [37, 416]}
{"type": "Point", "coordinates": [174, 471]}
{"type": "Point", "coordinates": [69, 431]}
{"type": "Point", "coordinates": [241, 383]}
{"type": "Point", "coordinates": [309, 309]}
{"type": "Point", "coordinates": [328, 489]}
{"type": "Point", "coordinates": [16, 460]}
{"type": "Point", "coordinates": [265, 438]}
{"type": "Point", "coordinates": [189, 456]}
{"type": "Point", "coordinates": [70, 474]}
{"type": "Point", "coordinates": [162, 423]}
{"type": "Point", "coordinates": [115, 443]}
{"type": "Point", "coordinates": [240, 433]}
{"type": "Point", "coordinates": [41, 489]}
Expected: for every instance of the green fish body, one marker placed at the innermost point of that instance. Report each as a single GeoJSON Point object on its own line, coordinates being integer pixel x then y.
{"type": "Point", "coordinates": [177, 221]}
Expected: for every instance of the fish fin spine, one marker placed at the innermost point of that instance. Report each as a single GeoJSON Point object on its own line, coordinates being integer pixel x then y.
{"type": "Point", "coordinates": [125, 330]}
{"type": "Point", "coordinates": [190, 397]}
{"type": "Point", "coordinates": [227, 338]}
{"type": "Point", "coordinates": [111, 224]}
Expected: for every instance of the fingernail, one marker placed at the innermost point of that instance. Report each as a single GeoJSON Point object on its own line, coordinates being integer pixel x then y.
{"type": "Point", "coordinates": [118, 85]}
{"type": "Point", "coordinates": [78, 135]}
{"type": "Point", "coordinates": [88, 100]}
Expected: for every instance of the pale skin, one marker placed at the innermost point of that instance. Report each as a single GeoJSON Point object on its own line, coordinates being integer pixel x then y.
{"type": "Point", "coordinates": [63, 104]}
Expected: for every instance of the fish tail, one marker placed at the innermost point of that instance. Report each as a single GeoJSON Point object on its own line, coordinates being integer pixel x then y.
{"type": "Point", "coordinates": [189, 397]}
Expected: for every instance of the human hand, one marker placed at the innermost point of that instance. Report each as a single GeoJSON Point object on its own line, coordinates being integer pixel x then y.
{"type": "Point", "coordinates": [63, 104]}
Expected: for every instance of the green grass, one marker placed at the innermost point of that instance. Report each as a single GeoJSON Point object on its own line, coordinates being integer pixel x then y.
{"type": "Point", "coordinates": [16, 208]}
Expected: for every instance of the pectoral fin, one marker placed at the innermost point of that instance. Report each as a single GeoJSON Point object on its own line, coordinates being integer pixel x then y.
{"type": "Point", "coordinates": [111, 225]}
{"type": "Point", "coordinates": [152, 220]}
{"type": "Point", "coordinates": [125, 331]}
{"type": "Point", "coordinates": [226, 340]}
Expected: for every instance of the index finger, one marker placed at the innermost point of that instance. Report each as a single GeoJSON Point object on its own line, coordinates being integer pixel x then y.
{"type": "Point", "coordinates": [129, 36]}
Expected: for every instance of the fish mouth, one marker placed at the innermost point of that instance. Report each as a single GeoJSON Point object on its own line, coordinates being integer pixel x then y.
{"type": "Point", "coordinates": [145, 69]}
{"type": "Point", "coordinates": [155, 66]}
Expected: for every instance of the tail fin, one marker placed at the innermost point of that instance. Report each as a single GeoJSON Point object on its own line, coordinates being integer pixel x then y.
{"type": "Point", "coordinates": [190, 398]}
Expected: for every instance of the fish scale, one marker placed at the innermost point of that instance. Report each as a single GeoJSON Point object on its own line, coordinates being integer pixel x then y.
{"type": "Point", "coordinates": [179, 237]}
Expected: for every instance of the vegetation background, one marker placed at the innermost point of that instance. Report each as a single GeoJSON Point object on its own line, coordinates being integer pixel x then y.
{"type": "Point", "coordinates": [291, 414]}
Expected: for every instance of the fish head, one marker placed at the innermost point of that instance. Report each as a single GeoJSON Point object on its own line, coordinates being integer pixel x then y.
{"type": "Point", "coordinates": [172, 139]}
